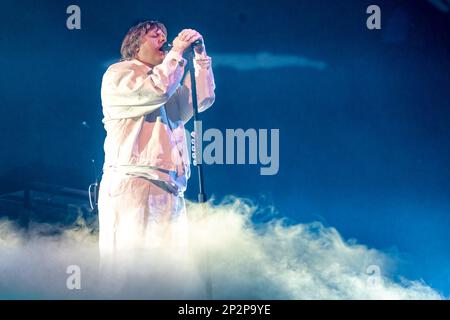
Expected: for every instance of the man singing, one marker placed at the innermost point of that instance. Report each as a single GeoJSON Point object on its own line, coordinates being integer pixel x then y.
{"type": "Point", "coordinates": [145, 107]}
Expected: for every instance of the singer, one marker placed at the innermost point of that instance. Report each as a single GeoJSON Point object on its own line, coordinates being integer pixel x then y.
{"type": "Point", "coordinates": [145, 106]}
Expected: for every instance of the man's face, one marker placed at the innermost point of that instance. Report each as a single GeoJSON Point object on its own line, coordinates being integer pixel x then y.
{"type": "Point", "coordinates": [149, 50]}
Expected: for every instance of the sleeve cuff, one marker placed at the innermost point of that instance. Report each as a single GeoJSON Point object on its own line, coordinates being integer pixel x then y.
{"type": "Point", "coordinates": [174, 55]}
{"type": "Point", "coordinates": [202, 55]}
{"type": "Point", "coordinates": [203, 62]}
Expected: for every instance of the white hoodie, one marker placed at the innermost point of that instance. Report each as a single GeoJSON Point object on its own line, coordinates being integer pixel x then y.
{"type": "Point", "coordinates": [145, 110]}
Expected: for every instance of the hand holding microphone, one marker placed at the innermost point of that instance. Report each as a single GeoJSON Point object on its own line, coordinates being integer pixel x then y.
{"type": "Point", "coordinates": [186, 38]}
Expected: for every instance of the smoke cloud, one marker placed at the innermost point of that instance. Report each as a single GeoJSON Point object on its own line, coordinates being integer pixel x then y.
{"type": "Point", "coordinates": [243, 259]}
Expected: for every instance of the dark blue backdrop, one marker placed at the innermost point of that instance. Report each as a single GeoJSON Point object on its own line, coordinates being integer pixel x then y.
{"type": "Point", "coordinates": [363, 141]}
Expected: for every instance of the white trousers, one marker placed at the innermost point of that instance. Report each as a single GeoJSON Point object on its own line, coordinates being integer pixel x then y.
{"type": "Point", "coordinates": [137, 215]}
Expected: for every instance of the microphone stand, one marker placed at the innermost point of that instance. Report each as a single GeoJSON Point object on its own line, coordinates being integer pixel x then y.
{"type": "Point", "coordinates": [201, 194]}
{"type": "Point", "coordinates": [196, 156]}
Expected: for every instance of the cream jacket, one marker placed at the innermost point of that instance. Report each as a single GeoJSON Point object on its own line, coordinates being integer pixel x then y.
{"type": "Point", "coordinates": [145, 110]}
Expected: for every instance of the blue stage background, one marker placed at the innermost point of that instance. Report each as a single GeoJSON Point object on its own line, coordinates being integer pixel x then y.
{"type": "Point", "coordinates": [364, 123]}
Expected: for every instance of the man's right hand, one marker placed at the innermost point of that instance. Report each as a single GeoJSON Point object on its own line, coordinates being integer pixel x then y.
{"type": "Point", "coordinates": [184, 39]}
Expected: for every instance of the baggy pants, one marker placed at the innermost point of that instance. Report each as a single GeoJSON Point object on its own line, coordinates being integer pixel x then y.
{"type": "Point", "coordinates": [138, 214]}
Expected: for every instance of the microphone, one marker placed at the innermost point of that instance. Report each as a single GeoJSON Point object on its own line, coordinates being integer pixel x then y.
{"type": "Point", "coordinates": [167, 45]}
{"type": "Point", "coordinates": [196, 43]}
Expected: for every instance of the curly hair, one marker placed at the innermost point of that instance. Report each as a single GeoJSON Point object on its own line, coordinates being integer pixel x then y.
{"type": "Point", "coordinates": [132, 41]}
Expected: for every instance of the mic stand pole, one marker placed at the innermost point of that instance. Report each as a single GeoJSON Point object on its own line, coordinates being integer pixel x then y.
{"type": "Point", "coordinates": [197, 160]}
